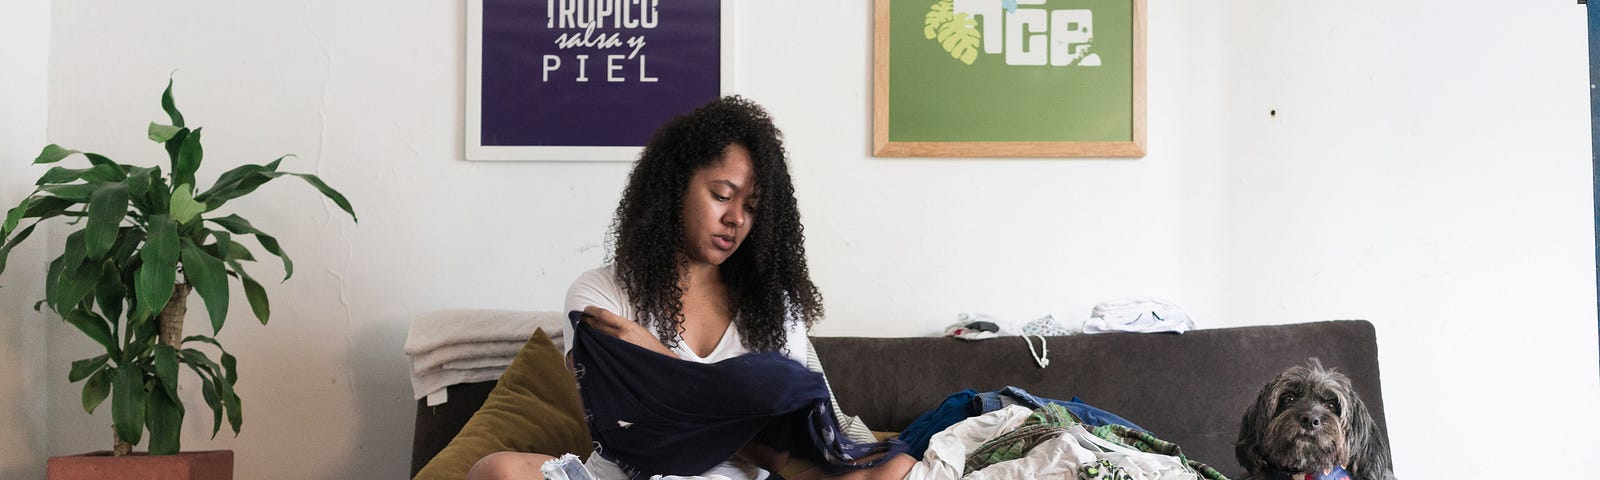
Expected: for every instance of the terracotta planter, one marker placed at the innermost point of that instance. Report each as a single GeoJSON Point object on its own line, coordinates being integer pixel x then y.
{"type": "Point", "coordinates": [207, 465]}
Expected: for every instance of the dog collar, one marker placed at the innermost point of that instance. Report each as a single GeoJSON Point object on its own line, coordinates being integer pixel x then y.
{"type": "Point", "coordinates": [1332, 473]}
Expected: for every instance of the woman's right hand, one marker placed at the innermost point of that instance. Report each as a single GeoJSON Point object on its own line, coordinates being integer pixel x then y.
{"type": "Point", "coordinates": [625, 329]}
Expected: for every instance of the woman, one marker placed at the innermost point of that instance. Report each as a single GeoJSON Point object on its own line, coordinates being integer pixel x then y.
{"type": "Point", "coordinates": [708, 263]}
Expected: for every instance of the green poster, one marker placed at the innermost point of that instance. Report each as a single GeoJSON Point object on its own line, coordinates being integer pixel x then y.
{"type": "Point", "coordinates": [1011, 71]}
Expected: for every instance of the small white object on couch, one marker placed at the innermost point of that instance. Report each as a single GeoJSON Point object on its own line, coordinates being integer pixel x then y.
{"type": "Point", "coordinates": [1139, 315]}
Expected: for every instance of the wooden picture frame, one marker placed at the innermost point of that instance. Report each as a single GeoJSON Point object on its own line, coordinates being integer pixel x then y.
{"type": "Point", "coordinates": [994, 78]}
{"type": "Point", "coordinates": [541, 85]}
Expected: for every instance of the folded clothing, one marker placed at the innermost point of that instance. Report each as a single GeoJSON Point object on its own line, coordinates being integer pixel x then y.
{"type": "Point", "coordinates": [432, 330]}
{"type": "Point", "coordinates": [453, 357]}
{"type": "Point", "coordinates": [433, 386]}
{"type": "Point", "coordinates": [450, 347]}
{"type": "Point", "coordinates": [1139, 315]}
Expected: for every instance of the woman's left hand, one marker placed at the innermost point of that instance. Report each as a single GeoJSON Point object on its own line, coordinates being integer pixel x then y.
{"type": "Point", "coordinates": [625, 329]}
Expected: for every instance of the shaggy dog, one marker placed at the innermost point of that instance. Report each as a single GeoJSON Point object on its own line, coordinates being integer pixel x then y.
{"type": "Point", "coordinates": [1310, 421]}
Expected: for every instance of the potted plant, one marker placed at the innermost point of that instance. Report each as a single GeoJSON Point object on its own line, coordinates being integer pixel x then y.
{"type": "Point", "coordinates": [143, 241]}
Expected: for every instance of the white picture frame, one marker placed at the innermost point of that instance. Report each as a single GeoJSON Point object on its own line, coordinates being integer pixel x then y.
{"type": "Point", "coordinates": [475, 148]}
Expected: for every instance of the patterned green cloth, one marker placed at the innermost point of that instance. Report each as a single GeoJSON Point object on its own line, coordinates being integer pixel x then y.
{"type": "Point", "coordinates": [1145, 442]}
{"type": "Point", "coordinates": [1103, 470]}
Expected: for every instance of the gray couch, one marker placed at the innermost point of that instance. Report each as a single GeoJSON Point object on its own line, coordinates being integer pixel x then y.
{"type": "Point", "coordinates": [1190, 389]}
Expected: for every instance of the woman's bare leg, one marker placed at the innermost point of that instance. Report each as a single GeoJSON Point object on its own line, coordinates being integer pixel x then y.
{"type": "Point", "coordinates": [508, 466]}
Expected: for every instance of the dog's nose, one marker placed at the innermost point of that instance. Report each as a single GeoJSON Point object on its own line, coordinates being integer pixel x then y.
{"type": "Point", "coordinates": [1310, 421]}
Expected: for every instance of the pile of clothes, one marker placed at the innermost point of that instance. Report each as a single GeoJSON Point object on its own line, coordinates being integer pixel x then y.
{"type": "Point", "coordinates": [1012, 434]}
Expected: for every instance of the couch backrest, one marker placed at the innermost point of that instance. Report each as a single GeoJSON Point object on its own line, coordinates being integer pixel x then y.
{"type": "Point", "coordinates": [1190, 389]}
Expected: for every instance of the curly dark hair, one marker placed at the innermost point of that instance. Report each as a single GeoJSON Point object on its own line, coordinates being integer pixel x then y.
{"type": "Point", "coordinates": [768, 282]}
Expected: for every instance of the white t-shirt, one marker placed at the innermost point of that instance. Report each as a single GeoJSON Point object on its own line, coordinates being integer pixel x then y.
{"type": "Point", "coordinates": [600, 288]}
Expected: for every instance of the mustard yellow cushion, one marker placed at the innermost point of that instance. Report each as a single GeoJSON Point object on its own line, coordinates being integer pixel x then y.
{"type": "Point", "coordinates": [535, 408]}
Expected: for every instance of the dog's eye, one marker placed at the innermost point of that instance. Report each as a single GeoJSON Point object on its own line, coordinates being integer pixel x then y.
{"type": "Point", "coordinates": [1286, 398]}
{"type": "Point", "coordinates": [1332, 405]}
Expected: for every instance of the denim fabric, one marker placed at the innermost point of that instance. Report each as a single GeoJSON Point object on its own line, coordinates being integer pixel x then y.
{"type": "Point", "coordinates": [953, 410]}
{"type": "Point", "coordinates": [1093, 417]}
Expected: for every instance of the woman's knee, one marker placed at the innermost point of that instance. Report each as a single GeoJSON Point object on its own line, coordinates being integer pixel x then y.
{"type": "Point", "coordinates": [507, 465]}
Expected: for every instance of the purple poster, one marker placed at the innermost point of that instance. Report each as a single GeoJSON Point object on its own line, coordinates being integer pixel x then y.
{"type": "Point", "coordinates": [586, 79]}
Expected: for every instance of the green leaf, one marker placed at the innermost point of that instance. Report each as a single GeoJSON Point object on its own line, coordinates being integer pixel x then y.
{"type": "Point", "coordinates": [937, 16]}
{"type": "Point", "coordinates": [75, 250]}
{"type": "Point", "coordinates": [76, 285]}
{"type": "Point", "coordinates": [338, 199]}
{"type": "Point", "coordinates": [198, 359]}
{"type": "Point", "coordinates": [52, 277]}
{"type": "Point", "coordinates": [230, 368]}
{"type": "Point", "coordinates": [78, 193]}
{"type": "Point", "coordinates": [95, 327]}
{"type": "Point", "coordinates": [175, 145]}
{"type": "Point", "coordinates": [254, 293]}
{"type": "Point", "coordinates": [5, 250]}
{"type": "Point", "coordinates": [237, 251]}
{"type": "Point", "coordinates": [84, 368]}
{"type": "Point", "coordinates": [101, 160]}
{"type": "Point", "coordinates": [97, 389]}
{"type": "Point", "coordinates": [111, 289]}
{"type": "Point", "coordinates": [188, 160]}
{"type": "Point", "coordinates": [127, 245]}
{"type": "Point", "coordinates": [165, 419]}
{"type": "Point", "coordinates": [161, 133]}
{"type": "Point", "coordinates": [156, 277]}
{"type": "Point", "coordinates": [210, 393]}
{"type": "Point", "coordinates": [171, 106]}
{"type": "Point", "coordinates": [227, 368]}
{"type": "Point", "coordinates": [106, 210]}
{"type": "Point", "coordinates": [230, 400]}
{"type": "Point", "coordinates": [166, 361]}
{"type": "Point", "coordinates": [184, 208]}
{"type": "Point", "coordinates": [961, 38]}
{"type": "Point", "coordinates": [53, 153]}
{"type": "Point", "coordinates": [127, 403]}
{"type": "Point", "coordinates": [142, 337]}
{"type": "Point", "coordinates": [141, 186]}
{"type": "Point", "coordinates": [239, 226]}
{"type": "Point", "coordinates": [14, 217]}
{"type": "Point", "coordinates": [209, 278]}
{"type": "Point", "coordinates": [202, 339]}
{"type": "Point", "coordinates": [223, 387]}
{"type": "Point", "coordinates": [218, 246]}
{"type": "Point", "coordinates": [105, 173]}
{"type": "Point", "coordinates": [75, 278]}
{"type": "Point", "coordinates": [230, 179]}
{"type": "Point", "coordinates": [222, 192]}
{"type": "Point", "coordinates": [46, 207]}
{"type": "Point", "coordinates": [60, 175]}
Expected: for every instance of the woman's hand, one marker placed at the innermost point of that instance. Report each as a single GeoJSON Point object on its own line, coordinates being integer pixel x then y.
{"type": "Point", "coordinates": [625, 329]}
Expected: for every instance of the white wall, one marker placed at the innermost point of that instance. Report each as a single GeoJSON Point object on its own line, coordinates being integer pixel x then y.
{"type": "Point", "coordinates": [25, 32]}
{"type": "Point", "coordinates": [1427, 169]}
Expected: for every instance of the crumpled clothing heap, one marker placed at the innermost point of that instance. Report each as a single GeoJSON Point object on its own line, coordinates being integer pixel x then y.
{"type": "Point", "coordinates": [1072, 453]}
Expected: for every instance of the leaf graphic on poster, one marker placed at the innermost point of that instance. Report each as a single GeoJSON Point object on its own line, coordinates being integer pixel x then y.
{"type": "Point", "coordinates": [940, 14]}
{"type": "Point", "coordinates": [960, 37]}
